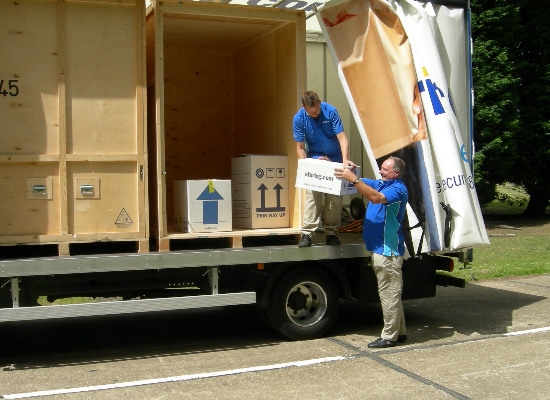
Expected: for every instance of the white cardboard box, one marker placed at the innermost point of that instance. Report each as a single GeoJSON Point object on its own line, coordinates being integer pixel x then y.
{"type": "Point", "coordinates": [318, 175]}
{"type": "Point", "coordinates": [260, 191]}
{"type": "Point", "coordinates": [202, 205]}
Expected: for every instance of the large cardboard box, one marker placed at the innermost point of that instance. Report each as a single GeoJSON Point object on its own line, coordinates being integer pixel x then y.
{"type": "Point", "coordinates": [260, 191]}
{"type": "Point", "coordinates": [202, 205]}
{"type": "Point", "coordinates": [318, 175]}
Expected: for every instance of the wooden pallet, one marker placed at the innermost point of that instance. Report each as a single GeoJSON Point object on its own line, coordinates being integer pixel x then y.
{"type": "Point", "coordinates": [354, 227]}
{"type": "Point", "coordinates": [66, 249]}
{"type": "Point", "coordinates": [233, 239]}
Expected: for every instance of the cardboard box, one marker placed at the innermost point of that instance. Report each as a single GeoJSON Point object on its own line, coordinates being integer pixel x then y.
{"type": "Point", "coordinates": [260, 191]}
{"type": "Point", "coordinates": [318, 175]}
{"type": "Point", "coordinates": [202, 205]}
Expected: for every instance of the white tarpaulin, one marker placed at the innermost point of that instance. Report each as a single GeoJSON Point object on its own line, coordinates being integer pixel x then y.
{"type": "Point", "coordinates": [373, 43]}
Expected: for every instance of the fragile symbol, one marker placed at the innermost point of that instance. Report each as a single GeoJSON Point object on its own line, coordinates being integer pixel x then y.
{"type": "Point", "coordinates": [123, 220]}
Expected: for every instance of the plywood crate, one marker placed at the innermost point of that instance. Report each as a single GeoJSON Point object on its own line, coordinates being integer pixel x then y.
{"type": "Point", "coordinates": [223, 80]}
{"type": "Point", "coordinates": [72, 111]}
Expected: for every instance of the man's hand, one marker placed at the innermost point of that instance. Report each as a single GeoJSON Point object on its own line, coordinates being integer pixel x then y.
{"type": "Point", "coordinates": [345, 173]}
{"type": "Point", "coordinates": [350, 164]}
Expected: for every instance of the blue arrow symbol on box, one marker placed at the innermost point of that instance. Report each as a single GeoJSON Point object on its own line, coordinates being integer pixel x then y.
{"type": "Point", "coordinates": [210, 206]}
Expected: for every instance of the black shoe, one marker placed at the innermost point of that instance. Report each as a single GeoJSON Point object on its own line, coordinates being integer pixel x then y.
{"type": "Point", "coordinates": [305, 241]}
{"type": "Point", "coordinates": [381, 344]}
{"type": "Point", "coordinates": [332, 240]}
{"type": "Point", "coordinates": [401, 338]}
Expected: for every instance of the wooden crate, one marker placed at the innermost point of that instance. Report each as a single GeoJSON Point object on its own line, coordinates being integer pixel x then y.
{"type": "Point", "coordinates": [224, 80]}
{"type": "Point", "coordinates": [72, 111]}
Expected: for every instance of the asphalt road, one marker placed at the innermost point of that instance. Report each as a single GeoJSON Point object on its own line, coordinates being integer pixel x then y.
{"type": "Point", "coordinates": [488, 341]}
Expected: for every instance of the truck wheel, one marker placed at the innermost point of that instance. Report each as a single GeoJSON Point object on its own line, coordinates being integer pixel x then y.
{"type": "Point", "coordinates": [357, 208]}
{"type": "Point", "coordinates": [304, 304]}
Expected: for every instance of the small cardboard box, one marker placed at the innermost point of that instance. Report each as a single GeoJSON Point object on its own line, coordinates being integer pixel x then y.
{"type": "Point", "coordinates": [202, 206]}
{"type": "Point", "coordinates": [318, 175]}
{"type": "Point", "coordinates": [260, 191]}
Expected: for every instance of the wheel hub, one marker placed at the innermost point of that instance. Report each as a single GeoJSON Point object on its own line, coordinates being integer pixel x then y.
{"type": "Point", "coordinates": [306, 304]}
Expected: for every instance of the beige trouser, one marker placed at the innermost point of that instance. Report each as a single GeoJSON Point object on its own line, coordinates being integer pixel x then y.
{"type": "Point", "coordinates": [332, 212]}
{"type": "Point", "coordinates": [390, 286]}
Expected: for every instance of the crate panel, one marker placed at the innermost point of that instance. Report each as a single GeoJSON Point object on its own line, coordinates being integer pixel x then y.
{"type": "Point", "coordinates": [101, 78]}
{"type": "Point", "coordinates": [29, 77]}
{"type": "Point", "coordinates": [24, 213]}
{"type": "Point", "coordinates": [103, 199]}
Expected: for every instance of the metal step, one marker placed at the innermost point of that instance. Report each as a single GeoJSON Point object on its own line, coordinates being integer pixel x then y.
{"type": "Point", "coordinates": [125, 307]}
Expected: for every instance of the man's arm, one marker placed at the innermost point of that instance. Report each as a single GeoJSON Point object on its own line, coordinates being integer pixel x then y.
{"type": "Point", "coordinates": [344, 147]}
{"type": "Point", "coordinates": [301, 150]}
{"type": "Point", "coordinates": [372, 195]}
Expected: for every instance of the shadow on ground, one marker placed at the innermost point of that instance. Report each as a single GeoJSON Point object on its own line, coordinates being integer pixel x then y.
{"type": "Point", "coordinates": [43, 344]}
{"type": "Point", "coordinates": [473, 310]}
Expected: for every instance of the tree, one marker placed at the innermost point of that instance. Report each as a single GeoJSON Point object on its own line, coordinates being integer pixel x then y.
{"type": "Point", "coordinates": [495, 29]}
{"type": "Point", "coordinates": [511, 69]}
{"type": "Point", "coordinates": [532, 164]}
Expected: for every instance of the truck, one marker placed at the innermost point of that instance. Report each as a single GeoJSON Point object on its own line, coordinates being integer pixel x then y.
{"type": "Point", "coordinates": [105, 108]}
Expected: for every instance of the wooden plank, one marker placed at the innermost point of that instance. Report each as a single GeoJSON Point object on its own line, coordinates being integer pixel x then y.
{"type": "Point", "coordinates": [210, 10]}
{"type": "Point", "coordinates": [160, 134]}
{"type": "Point", "coordinates": [61, 91]}
{"type": "Point", "coordinates": [31, 158]}
{"type": "Point", "coordinates": [271, 79]}
{"type": "Point", "coordinates": [143, 246]}
{"type": "Point", "coordinates": [104, 157]}
{"type": "Point", "coordinates": [163, 244]}
{"type": "Point", "coordinates": [29, 69]}
{"type": "Point", "coordinates": [141, 105]}
{"type": "Point", "coordinates": [235, 233]}
{"type": "Point", "coordinates": [100, 78]}
{"type": "Point", "coordinates": [64, 250]}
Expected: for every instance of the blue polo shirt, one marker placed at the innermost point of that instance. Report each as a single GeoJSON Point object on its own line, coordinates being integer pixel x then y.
{"type": "Point", "coordinates": [319, 134]}
{"type": "Point", "coordinates": [382, 227]}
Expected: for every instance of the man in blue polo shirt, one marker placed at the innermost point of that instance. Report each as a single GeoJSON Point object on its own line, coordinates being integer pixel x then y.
{"type": "Point", "coordinates": [383, 235]}
{"type": "Point", "coordinates": [318, 126]}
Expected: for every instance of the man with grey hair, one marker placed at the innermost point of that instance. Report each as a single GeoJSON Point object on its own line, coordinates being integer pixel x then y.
{"type": "Point", "coordinates": [383, 236]}
{"type": "Point", "coordinates": [318, 126]}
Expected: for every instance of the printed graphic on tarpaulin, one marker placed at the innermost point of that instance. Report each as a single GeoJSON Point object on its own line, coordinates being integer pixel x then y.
{"type": "Point", "coordinates": [443, 210]}
{"type": "Point", "coordinates": [369, 41]}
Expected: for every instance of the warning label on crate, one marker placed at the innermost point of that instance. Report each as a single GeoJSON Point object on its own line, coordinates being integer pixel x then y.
{"type": "Point", "coordinates": [123, 220]}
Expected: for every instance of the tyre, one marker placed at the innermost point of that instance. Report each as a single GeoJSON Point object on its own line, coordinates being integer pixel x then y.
{"type": "Point", "coordinates": [357, 208]}
{"type": "Point", "coordinates": [303, 304]}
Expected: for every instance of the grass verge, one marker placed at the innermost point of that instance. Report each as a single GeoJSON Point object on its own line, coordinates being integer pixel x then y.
{"type": "Point", "coordinates": [519, 246]}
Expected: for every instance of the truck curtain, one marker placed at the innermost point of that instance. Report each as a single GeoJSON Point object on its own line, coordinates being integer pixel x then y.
{"type": "Point", "coordinates": [388, 60]}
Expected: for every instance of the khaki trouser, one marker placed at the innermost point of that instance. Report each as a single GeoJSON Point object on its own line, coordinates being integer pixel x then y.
{"type": "Point", "coordinates": [332, 212]}
{"type": "Point", "coordinates": [390, 286]}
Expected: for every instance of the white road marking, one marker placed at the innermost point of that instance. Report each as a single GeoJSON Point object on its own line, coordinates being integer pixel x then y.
{"type": "Point", "coordinates": [208, 374]}
{"type": "Point", "coordinates": [528, 331]}
{"type": "Point", "coordinates": [173, 379]}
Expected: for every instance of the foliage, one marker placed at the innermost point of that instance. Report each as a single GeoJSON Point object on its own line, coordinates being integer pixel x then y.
{"type": "Point", "coordinates": [511, 69]}
{"type": "Point", "coordinates": [511, 194]}
{"type": "Point", "coordinates": [533, 61]}
{"type": "Point", "coordinates": [495, 25]}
